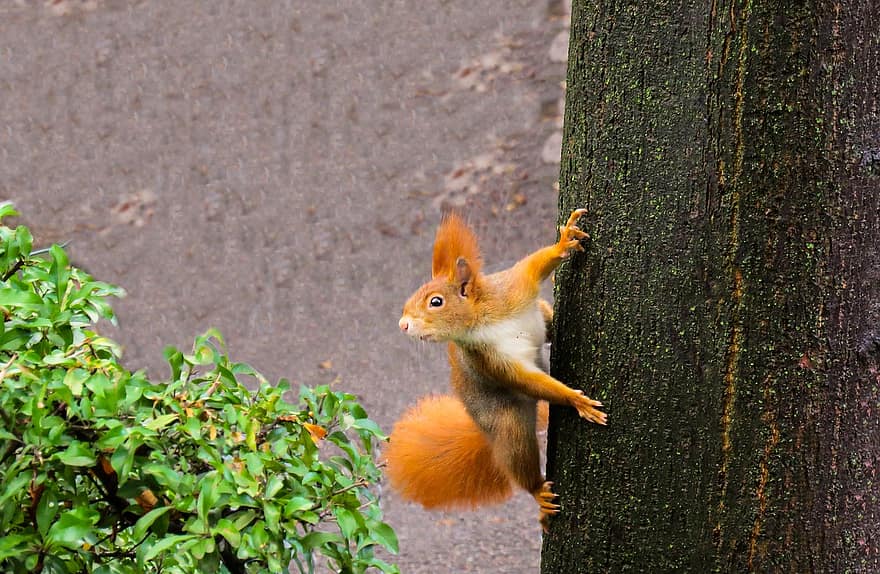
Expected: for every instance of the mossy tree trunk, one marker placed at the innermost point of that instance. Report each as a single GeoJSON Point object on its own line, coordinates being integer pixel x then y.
{"type": "Point", "coordinates": [727, 310]}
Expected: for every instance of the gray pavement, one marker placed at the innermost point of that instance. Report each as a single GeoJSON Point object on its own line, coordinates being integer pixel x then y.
{"type": "Point", "coordinates": [276, 170]}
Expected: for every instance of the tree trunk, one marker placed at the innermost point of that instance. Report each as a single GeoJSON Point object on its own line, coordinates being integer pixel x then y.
{"type": "Point", "coordinates": [727, 310]}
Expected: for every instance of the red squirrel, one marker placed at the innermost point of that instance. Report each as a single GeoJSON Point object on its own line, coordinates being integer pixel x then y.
{"type": "Point", "coordinates": [468, 449]}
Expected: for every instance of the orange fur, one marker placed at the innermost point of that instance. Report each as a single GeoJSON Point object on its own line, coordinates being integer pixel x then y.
{"type": "Point", "coordinates": [439, 458]}
{"type": "Point", "coordinates": [470, 449]}
{"type": "Point", "coordinates": [454, 239]}
{"type": "Point", "coordinates": [543, 416]}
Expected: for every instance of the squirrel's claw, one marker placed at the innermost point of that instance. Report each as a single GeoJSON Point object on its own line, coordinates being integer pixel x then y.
{"type": "Point", "coordinates": [577, 232]}
{"type": "Point", "coordinates": [575, 215]}
{"type": "Point", "coordinates": [545, 498]}
{"type": "Point", "coordinates": [586, 408]}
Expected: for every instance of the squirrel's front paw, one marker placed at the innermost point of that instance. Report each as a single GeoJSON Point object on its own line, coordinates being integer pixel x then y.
{"type": "Point", "coordinates": [586, 407]}
{"type": "Point", "coordinates": [570, 235]}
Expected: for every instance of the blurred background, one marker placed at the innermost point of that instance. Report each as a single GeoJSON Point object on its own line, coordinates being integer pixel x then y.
{"type": "Point", "coordinates": [276, 170]}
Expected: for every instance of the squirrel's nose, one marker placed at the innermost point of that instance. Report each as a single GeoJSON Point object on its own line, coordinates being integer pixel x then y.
{"type": "Point", "coordinates": [404, 324]}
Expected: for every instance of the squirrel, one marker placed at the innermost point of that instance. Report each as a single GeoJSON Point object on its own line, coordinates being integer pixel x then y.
{"type": "Point", "coordinates": [469, 449]}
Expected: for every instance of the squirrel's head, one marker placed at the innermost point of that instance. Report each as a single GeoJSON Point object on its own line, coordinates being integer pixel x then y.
{"type": "Point", "coordinates": [445, 307]}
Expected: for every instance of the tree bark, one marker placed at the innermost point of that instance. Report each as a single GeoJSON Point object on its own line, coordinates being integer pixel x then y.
{"type": "Point", "coordinates": [727, 311]}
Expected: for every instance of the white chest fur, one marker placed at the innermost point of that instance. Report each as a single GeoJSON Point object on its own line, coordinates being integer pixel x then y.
{"type": "Point", "coordinates": [520, 337]}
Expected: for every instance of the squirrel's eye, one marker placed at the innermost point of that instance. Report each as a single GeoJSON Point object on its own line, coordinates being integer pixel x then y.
{"type": "Point", "coordinates": [436, 301]}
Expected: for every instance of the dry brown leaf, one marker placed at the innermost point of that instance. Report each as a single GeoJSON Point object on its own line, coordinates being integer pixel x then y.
{"type": "Point", "coordinates": [147, 500]}
{"type": "Point", "coordinates": [317, 432]}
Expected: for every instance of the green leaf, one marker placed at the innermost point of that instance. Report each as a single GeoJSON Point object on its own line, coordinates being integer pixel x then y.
{"type": "Point", "coordinates": [14, 544]}
{"type": "Point", "coordinates": [317, 539]}
{"type": "Point", "coordinates": [381, 565]}
{"type": "Point", "coordinates": [74, 380]}
{"type": "Point", "coordinates": [144, 522]}
{"type": "Point", "coordinates": [7, 209]}
{"type": "Point", "coordinates": [195, 525]}
{"type": "Point", "coordinates": [47, 509]}
{"type": "Point", "coordinates": [204, 355]}
{"type": "Point", "coordinates": [254, 464]}
{"type": "Point", "coordinates": [244, 519]}
{"type": "Point", "coordinates": [15, 298]}
{"type": "Point", "coordinates": [202, 547]}
{"type": "Point", "coordinates": [369, 426]}
{"type": "Point", "coordinates": [77, 454]}
{"type": "Point", "coordinates": [14, 486]}
{"type": "Point", "coordinates": [58, 358]}
{"type": "Point", "coordinates": [385, 535]}
{"type": "Point", "coordinates": [227, 529]}
{"type": "Point", "coordinates": [74, 528]}
{"type": "Point", "coordinates": [161, 421]}
{"type": "Point", "coordinates": [348, 521]}
{"type": "Point", "coordinates": [164, 475]}
{"type": "Point", "coordinates": [208, 495]}
{"type": "Point", "coordinates": [357, 411]}
{"type": "Point", "coordinates": [274, 485]}
{"type": "Point", "coordinates": [175, 361]}
{"type": "Point", "coordinates": [13, 340]}
{"type": "Point", "coordinates": [272, 513]}
{"type": "Point", "coordinates": [192, 427]}
{"type": "Point", "coordinates": [61, 273]}
{"type": "Point", "coordinates": [98, 383]}
{"type": "Point", "coordinates": [251, 435]}
{"type": "Point", "coordinates": [112, 438]}
{"type": "Point", "coordinates": [122, 462]}
{"type": "Point", "coordinates": [168, 543]}
{"type": "Point", "coordinates": [40, 323]}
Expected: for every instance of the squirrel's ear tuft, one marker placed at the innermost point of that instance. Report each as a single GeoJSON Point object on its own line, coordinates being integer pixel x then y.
{"type": "Point", "coordinates": [454, 241]}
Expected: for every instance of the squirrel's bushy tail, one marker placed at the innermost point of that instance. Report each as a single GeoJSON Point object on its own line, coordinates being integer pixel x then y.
{"type": "Point", "coordinates": [439, 458]}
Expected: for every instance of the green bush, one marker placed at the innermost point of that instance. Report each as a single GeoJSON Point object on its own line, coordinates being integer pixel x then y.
{"type": "Point", "coordinates": [103, 470]}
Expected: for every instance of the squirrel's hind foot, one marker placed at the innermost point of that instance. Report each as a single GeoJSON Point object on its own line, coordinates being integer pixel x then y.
{"type": "Point", "coordinates": [545, 497]}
